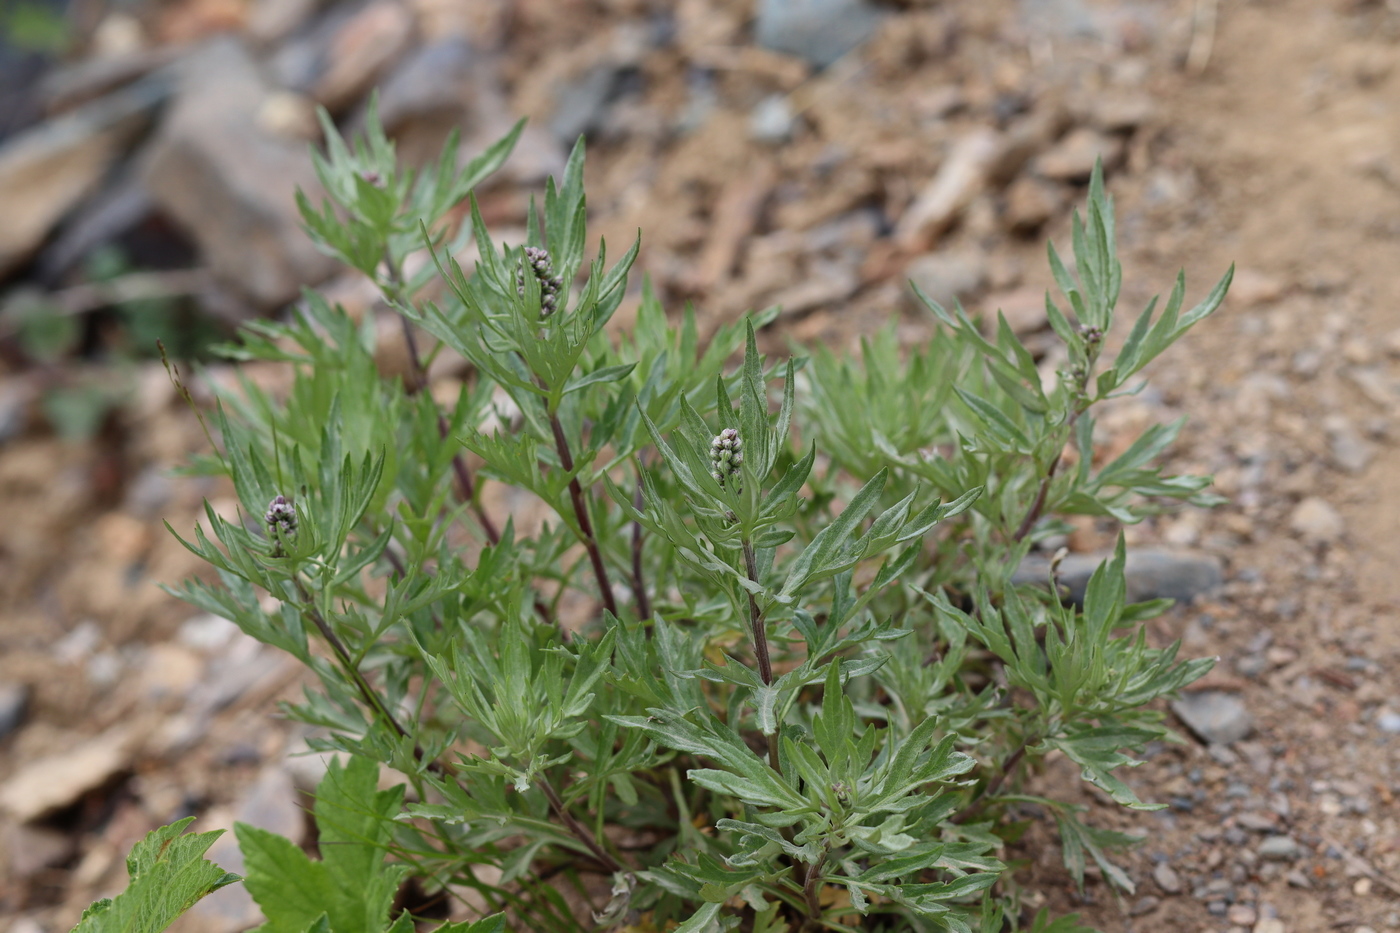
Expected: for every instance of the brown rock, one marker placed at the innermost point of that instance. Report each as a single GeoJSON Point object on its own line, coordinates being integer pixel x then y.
{"type": "Point", "coordinates": [230, 183]}
{"type": "Point", "coordinates": [949, 277]}
{"type": "Point", "coordinates": [367, 44]}
{"type": "Point", "coordinates": [48, 784]}
{"type": "Point", "coordinates": [47, 170]}
{"type": "Point", "coordinates": [1072, 158]}
{"type": "Point", "coordinates": [1023, 308]}
{"type": "Point", "coordinates": [961, 178]}
{"type": "Point", "coordinates": [1121, 112]}
{"type": "Point", "coordinates": [1251, 287]}
{"type": "Point", "coordinates": [1029, 203]}
{"type": "Point", "coordinates": [31, 849]}
{"type": "Point", "coordinates": [1316, 521]}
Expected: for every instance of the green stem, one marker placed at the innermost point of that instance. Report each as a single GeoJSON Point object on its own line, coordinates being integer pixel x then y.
{"type": "Point", "coordinates": [760, 643]}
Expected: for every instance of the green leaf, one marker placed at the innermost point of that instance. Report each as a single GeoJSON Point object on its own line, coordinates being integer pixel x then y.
{"type": "Point", "coordinates": [168, 874]}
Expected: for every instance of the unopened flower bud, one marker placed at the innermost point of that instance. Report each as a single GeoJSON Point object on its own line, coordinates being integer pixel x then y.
{"type": "Point", "coordinates": [542, 269]}
{"type": "Point", "coordinates": [281, 521]}
{"type": "Point", "coordinates": [725, 455]}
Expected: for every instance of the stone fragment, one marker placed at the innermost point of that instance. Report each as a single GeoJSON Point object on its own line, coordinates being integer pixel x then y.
{"type": "Point", "coordinates": [361, 50]}
{"type": "Point", "coordinates": [1316, 521]}
{"type": "Point", "coordinates": [31, 849]}
{"type": "Point", "coordinates": [1388, 721]}
{"type": "Point", "coordinates": [817, 31]}
{"type": "Point", "coordinates": [1250, 287]}
{"type": "Point", "coordinates": [949, 277]}
{"type": "Point", "coordinates": [1121, 112]}
{"type": "Point", "coordinates": [1023, 308]}
{"type": "Point", "coordinates": [14, 704]}
{"type": "Point", "coordinates": [1144, 905]}
{"type": "Point", "coordinates": [1150, 574]}
{"type": "Point", "coordinates": [1167, 879]}
{"type": "Point", "coordinates": [47, 170]}
{"type": "Point", "coordinates": [1350, 452]}
{"type": "Point", "coordinates": [960, 178]}
{"type": "Point", "coordinates": [1029, 204]}
{"type": "Point", "coordinates": [271, 21]}
{"type": "Point", "coordinates": [581, 105]}
{"type": "Point", "coordinates": [772, 120]}
{"type": "Point", "coordinates": [1072, 158]}
{"type": "Point", "coordinates": [1242, 915]}
{"type": "Point", "coordinates": [1280, 849]}
{"type": "Point", "coordinates": [1214, 717]}
{"type": "Point", "coordinates": [42, 786]}
{"type": "Point", "coordinates": [230, 183]}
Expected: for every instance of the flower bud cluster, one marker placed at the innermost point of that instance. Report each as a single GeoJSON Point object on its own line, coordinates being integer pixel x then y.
{"type": "Point", "coordinates": [281, 518]}
{"type": "Point", "coordinates": [542, 267]}
{"type": "Point", "coordinates": [726, 454]}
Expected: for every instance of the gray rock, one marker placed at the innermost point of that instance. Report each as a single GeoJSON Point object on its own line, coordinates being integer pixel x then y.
{"type": "Point", "coordinates": [432, 82]}
{"type": "Point", "coordinates": [1144, 905]}
{"type": "Point", "coordinates": [949, 277]}
{"type": "Point", "coordinates": [1214, 717]}
{"type": "Point", "coordinates": [772, 120]}
{"type": "Point", "coordinates": [231, 184]}
{"type": "Point", "coordinates": [1150, 574]}
{"type": "Point", "coordinates": [581, 105]}
{"type": "Point", "coordinates": [818, 31]}
{"type": "Point", "coordinates": [1388, 721]}
{"type": "Point", "coordinates": [1167, 879]}
{"type": "Point", "coordinates": [1280, 849]}
{"type": "Point", "coordinates": [14, 704]}
{"type": "Point", "coordinates": [47, 170]}
{"type": "Point", "coordinates": [1349, 451]}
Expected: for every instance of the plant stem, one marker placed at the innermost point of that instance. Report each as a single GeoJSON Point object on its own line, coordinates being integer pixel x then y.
{"type": "Point", "coordinates": [811, 892]}
{"type": "Point", "coordinates": [1038, 506]}
{"type": "Point", "coordinates": [1007, 769]}
{"type": "Point", "coordinates": [639, 586]}
{"type": "Point", "coordinates": [466, 487]}
{"type": "Point", "coordinates": [760, 643]}
{"type": "Point", "coordinates": [579, 831]}
{"type": "Point", "coordinates": [585, 525]}
{"type": "Point", "coordinates": [367, 693]}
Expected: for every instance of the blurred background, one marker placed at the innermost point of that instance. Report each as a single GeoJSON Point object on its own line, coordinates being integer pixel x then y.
{"type": "Point", "coordinates": [810, 154]}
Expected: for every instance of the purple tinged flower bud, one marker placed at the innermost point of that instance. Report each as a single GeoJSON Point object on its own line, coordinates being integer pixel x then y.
{"type": "Point", "coordinates": [281, 521]}
{"type": "Point", "coordinates": [281, 517]}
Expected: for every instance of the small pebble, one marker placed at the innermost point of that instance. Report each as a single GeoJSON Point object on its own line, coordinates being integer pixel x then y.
{"type": "Point", "coordinates": [1145, 905]}
{"type": "Point", "coordinates": [1167, 879]}
{"type": "Point", "coordinates": [1388, 721]}
{"type": "Point", "coordinates": [1280, 849]}
{"type": "Point", "coordinates": [1316, 521]}
{"type": "Point", "coordinates": [1270, 925]}
{"type": "Point", "coordinates": [14, 703]}
{"type": "Point", "coordinates": [1242, 914]}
